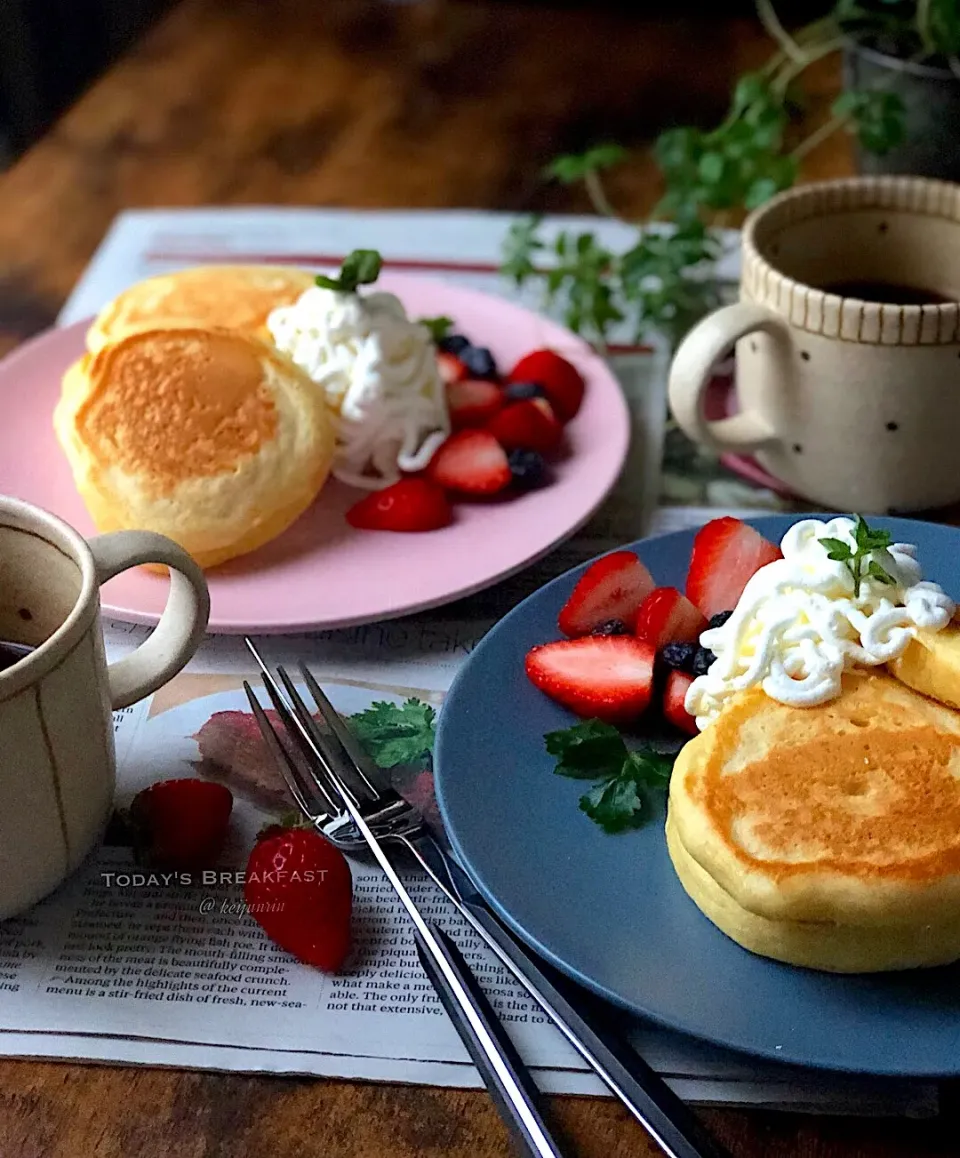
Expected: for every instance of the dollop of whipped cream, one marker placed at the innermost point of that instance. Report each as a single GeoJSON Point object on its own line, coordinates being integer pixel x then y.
{"type": "Point", "coordinates": [799, 623]}
{"type": "Point", "coordinates": [378, 371]}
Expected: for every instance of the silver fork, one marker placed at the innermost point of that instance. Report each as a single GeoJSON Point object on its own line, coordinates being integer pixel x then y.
{"type": "Point", "coordinates": [645, 1094]}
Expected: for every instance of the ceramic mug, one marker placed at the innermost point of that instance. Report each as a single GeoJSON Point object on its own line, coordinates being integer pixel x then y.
{"type": "Point", "coordinates": [847, 335]}
{"type": "Point", "coordinates": [57, 760]}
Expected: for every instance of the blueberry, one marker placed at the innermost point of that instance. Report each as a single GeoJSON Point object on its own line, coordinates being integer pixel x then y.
{"type": "Point", "coordinates": [528, 469]}
{"type": "Point", "coordinates": [679, 656]}
{"type": "Point", "coordinates": [520, 391]}
{"type": "Point", "coordinates": [719, 619]}
{"type": "Point", "coordinates": [478, 361]}
{"type": "Point", "coordinates": [453, 343]}
{"type": "Point", "coordinates": [611, 627]}
{"type": "Point", "coordinates": [702, 659]}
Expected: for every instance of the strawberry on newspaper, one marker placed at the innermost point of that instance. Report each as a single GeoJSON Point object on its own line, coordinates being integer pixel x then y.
{"type": "Point", "coordinates": [473, 402]}
{"type": "Point", "coordinates": [610, 589]}
{"type": "Point", "coordinates": [412, 504]}
{"type": "Point", "coordinates": [471, 462]}
{"type": "Point", "coordinates": [561, 382]}
{"type": "Point", "coordinates": [674, 696]}
{"type": "Point", "coordinates": [666, 616]}
{"type": "Point", "coordinates": [606, 677]}
{"type": "Point", "coordinates": [298, 888]}
{"type": "Point", "coordinates": [527, 425]}
{"type": "Point", "coordinates": [182, 824]}
{"type": "Point", "coordinates": [726, 555]}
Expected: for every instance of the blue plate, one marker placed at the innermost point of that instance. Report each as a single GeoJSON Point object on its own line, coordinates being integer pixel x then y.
{"type": "Point", "coordinates": [609, 911]}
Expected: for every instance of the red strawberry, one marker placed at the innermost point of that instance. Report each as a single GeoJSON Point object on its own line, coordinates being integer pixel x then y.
{"type": "Point", "coordinates": [674, 695]}
{"type": "Point", "coordinates": [606, 676]}
{"type": "Point", "coordinates": [561, 381]}
{"type": "Point", "coordinates": [471, 462]}
{"type": "Point", "coordinates": [527, 425]}
{"type": "Point", "coordinates": [726, 554]}
{"type": "Point", "coordinates": [298, 888]}
{"type": "Point", "coordinates": [666, 616]}
{"type": "Point", "coordinates": [473, 402]}
{"type": "Point", "coordinates": [612, 588]}
{"type": "Point", "coordinates": [450, 367]}
{"type": "Point", "coordinates": [412, 504]}
{"type": "Point", "coordinates": [182, 823]}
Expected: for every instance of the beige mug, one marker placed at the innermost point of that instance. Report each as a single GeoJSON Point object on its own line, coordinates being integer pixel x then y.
{"type": "Point", "coordinates": [847, 335]}
{"type": "Point", "coordinates": [57, 759]}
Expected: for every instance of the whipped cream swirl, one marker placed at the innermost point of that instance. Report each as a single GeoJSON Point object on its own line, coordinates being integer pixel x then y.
{"type": "Point", "coordinates": [378, 370]}
{"type": "Point", "coordinates": [799, 624]}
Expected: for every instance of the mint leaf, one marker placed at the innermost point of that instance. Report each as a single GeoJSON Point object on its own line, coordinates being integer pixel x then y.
{"type": "Point", "coordinates": [361, 267]}
{"type": "Point", "coordinates": [395, 734]}
{"type": "Point", "coordinates": [616, 805]}
{"type": "Point", "coordinates": [837, 549]}
{"type": "Point", "coordinates": [587, 751]}
{"type": "Point", "coordinates": [875, 571]}
{"type": "Point", "coordinates": [439, 327]}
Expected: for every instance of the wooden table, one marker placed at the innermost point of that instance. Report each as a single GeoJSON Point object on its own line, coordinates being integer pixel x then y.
{"type": "Point", "coordinates": [360, 103]}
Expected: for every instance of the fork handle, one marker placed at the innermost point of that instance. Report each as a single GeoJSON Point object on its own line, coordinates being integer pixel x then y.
{"type": "Point", "coordinates": [520, 1106]}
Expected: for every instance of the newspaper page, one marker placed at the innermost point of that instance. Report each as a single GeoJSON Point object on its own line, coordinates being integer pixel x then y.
{"type": "Point", "coordinates": [118, 966]}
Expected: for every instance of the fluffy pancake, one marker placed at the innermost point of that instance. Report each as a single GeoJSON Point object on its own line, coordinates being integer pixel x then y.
{"type": "Point", "coordinates": [207, 436]}
{"type": "Point", "coordinates": [235, 297]}
{"type": "Point", "coordinates": [931, 665]}
{"type": "Point", "coordinates": [846, 813]}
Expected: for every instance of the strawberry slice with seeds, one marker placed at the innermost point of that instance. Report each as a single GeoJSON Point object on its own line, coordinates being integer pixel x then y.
{"type": "Point", "coordinates": [666, 616]}
{"type": "Point", "coordinates": [726, 555]}
{"type": "Point", "coordinates": [527, 425]}
{"type": "Point", "coordinates": [674, 697]}
{"type": "Point", "coordinates": [412, 504]}
{"type": "Point", "coordinates": [611, 588]}
{"type": "Point", "coordinates": [473, 402]}
{"type": "Point", "coordinates": [471, 462]}
{"type": "Point", "coordinates": [451, 368]}
{"type": "Point", "coordinates": [561, 382]}
{"type": "Point", "coordinates": [609, 677]}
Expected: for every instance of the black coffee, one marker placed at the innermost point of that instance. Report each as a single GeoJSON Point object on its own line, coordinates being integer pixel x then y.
{"type": "Point", "coordinates": [11, 653]}
{"type": "Point", "coordinates": [888, 293]}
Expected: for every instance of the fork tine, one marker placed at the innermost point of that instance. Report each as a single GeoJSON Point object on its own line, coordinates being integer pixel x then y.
{"type": "Point", "coordinates": [285, 764]}
{"type": "Point", "coordinates": [359, 760]}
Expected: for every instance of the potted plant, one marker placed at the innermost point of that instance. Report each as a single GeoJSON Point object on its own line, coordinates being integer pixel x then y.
{"type": "Point", "coordinates": [897, 53]}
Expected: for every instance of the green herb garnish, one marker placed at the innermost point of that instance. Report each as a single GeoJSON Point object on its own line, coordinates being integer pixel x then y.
{"type": "Point", "coordinates": [438, 327]}
{"type": "Point", "coordinates": [362, 267]}
{"type": "Point", "coordinates": [857, 559]}
{"type": "Point", "coordinates": [594, 750]}
{"type": "Point", "coordinates": [395, 734]}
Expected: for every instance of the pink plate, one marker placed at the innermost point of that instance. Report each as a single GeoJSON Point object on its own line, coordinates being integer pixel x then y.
{"type": "Point", "coordinates": [322, 573]}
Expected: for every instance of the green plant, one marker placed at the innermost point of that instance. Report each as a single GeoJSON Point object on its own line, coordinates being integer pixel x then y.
{"type": "Point", "coordinates": [662, 281]}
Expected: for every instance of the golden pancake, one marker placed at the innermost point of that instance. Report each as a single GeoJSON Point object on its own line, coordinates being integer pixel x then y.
{"type": "Point", "coordinates": [235, 297]}
{"type": "Point", "coordinates": [846, 813]}
{"type": "Point", "coordinates": [207, 436]}
{"type": "Point", "coordinates": [931, 665]}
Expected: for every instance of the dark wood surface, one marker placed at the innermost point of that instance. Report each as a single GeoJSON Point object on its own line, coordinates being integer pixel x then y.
{"type": "Point", "coordinates": [366, 104]}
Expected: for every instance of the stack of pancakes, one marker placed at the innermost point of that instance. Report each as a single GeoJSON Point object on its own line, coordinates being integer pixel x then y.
{"type": "Point", "coordinates": [830, 836]}
{"type": "Point", "coordinates": [183, 419]}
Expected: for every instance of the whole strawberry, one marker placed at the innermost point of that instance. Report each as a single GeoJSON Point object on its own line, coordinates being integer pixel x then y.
{"type": "Point", "coordinates": [181, 824]}
{"type": "Point", "coordinates": [299, 889]}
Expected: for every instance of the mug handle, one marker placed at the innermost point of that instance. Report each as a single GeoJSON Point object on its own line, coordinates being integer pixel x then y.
{"type": "Point", "coordinates": [692, 368]}
{"type": "Point", "coordinates": [182, 624]}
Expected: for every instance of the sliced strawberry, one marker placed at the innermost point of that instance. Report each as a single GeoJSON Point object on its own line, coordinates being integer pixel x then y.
{"type": "Point", "coordinates": [666, 616]}
{"type": "Point", "coordinates": [674, 697]}
{"type": "Point", "coordinates": [473, 402]}
{"type": "Point", "coordinates": [450, 367]}
{"type": "Point", "coordinates": [527, 425]}
{"type": "Point", "coordinates": [726, 555]}
{"type": "Point", "coordinates": [412, 504]}
{"type": "Point", "coordinates": [606, 676]}
{"type": "Point", "coordinates": [561, 382]}
{"type": "Point", "coordinates": [471, 462]}
{"type": "Point", "coordinates": [612, 588]}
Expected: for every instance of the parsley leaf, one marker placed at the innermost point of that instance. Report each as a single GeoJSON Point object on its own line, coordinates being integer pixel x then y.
{"type": "Point", "coordinates": [361, 267]}
{"type": "Point", "coordinates": [594, 750]}
{"type": "Point", "coordinates": [439, 327]}
{"type": "Point", "coordinates": [396, 734]}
